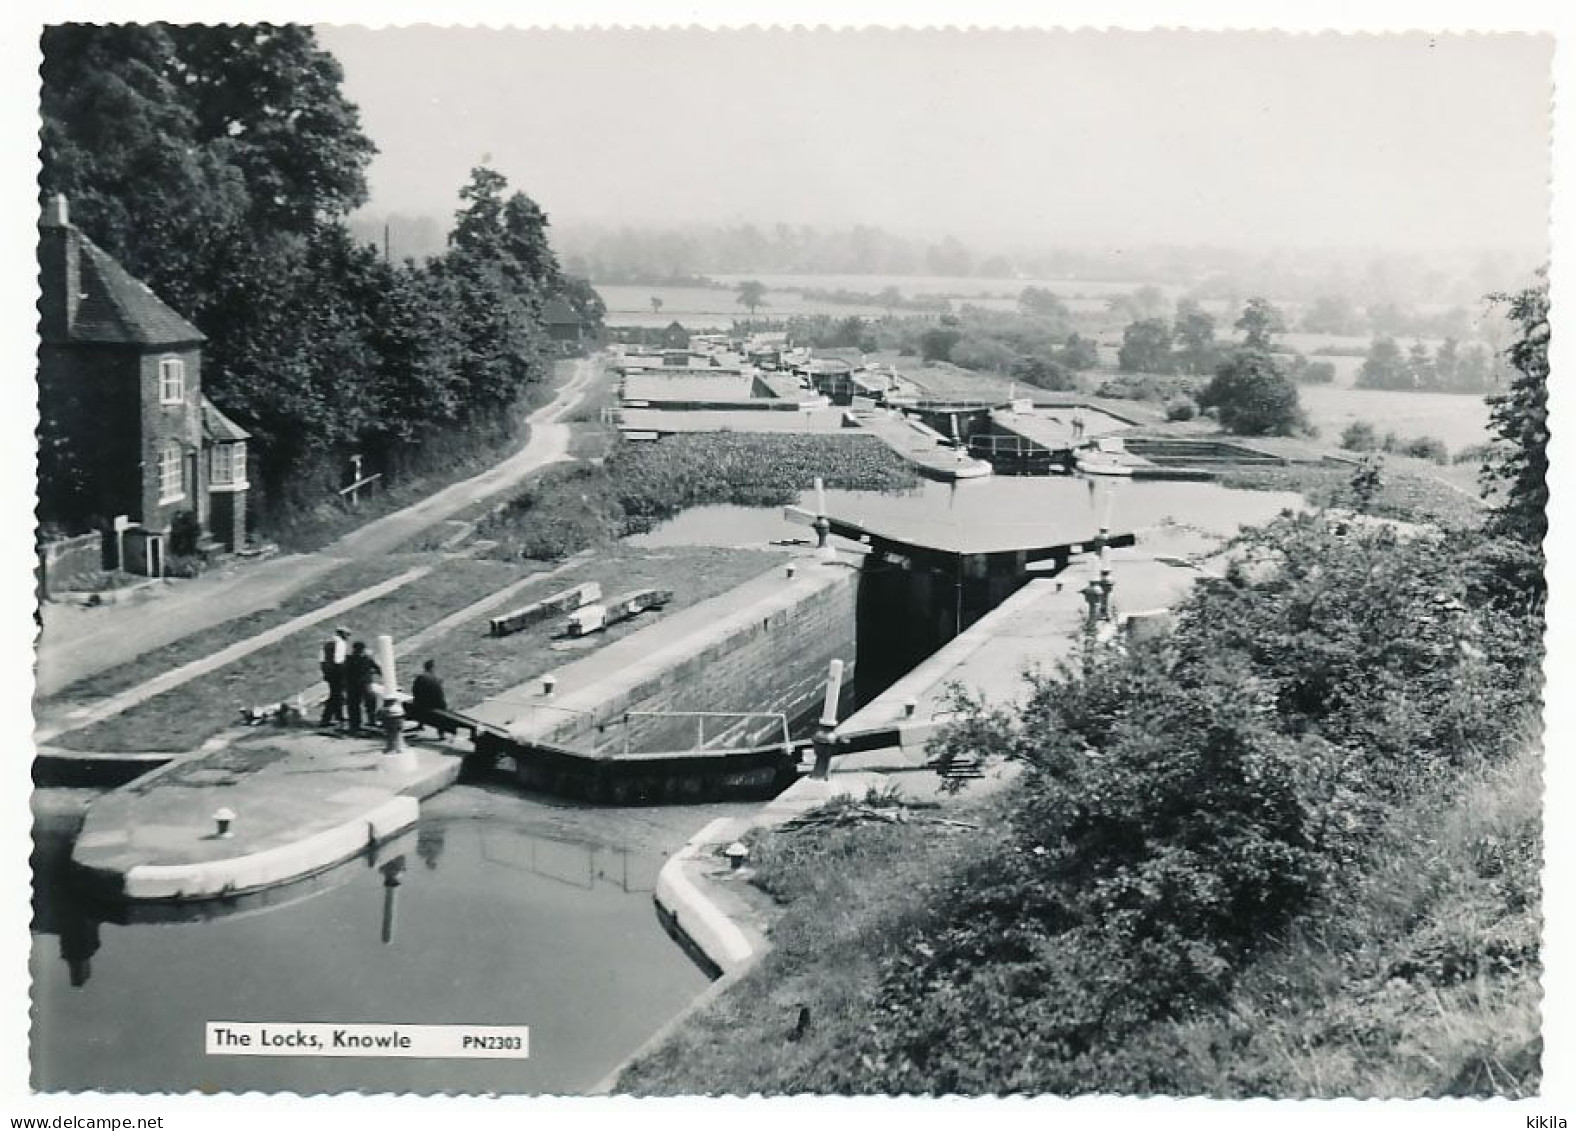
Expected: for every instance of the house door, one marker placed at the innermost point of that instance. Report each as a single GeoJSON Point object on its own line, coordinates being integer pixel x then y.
{"type": "Point", "coordinates": [199, 497]}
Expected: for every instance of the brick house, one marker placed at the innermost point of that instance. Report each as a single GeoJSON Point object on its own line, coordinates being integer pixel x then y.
{"type": "Point", "coordinates": [124, 427]}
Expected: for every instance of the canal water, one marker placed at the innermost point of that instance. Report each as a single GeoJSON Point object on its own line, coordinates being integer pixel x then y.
{"type": "Point", "coordinates": [507, 911]}
{"type": "Point", "coordinates": [980, 510]}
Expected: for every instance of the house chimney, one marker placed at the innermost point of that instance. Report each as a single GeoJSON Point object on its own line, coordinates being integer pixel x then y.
{"type": "Point", "coordinates": [60, 270]}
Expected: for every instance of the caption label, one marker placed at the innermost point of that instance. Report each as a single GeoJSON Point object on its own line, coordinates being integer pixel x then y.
{"type": "Point", "coordinates": [278, 1038]}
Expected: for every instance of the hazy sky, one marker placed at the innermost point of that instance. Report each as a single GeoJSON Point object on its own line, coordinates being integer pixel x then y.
{"type": "Point", "coordinates": [1083, 138]}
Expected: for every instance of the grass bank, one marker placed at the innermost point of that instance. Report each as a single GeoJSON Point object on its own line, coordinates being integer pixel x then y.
{"type": "Point", "coordinates": [1408, 495]}
{"type": "Point", "coordinates": [473, 664]}
{"type": "Point", "coordinates": [182, 718]}
{"type": "Point", "coordinates": [640, 485]}
{"type": "Point", "coordinates": [350, 578]}
{"type": "Point", "coordinates": [1424, 984]}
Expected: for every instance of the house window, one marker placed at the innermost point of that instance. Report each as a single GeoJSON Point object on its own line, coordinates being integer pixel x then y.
{"type": "Point", "coordinates": [171, 484]}
{"type": "Point", "coordinates": [228, 468]}
{"type": "Point", "coordinates": [172, 380]}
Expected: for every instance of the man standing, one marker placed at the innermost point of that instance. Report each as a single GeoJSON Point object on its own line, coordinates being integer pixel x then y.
{"type": "Point", "coordinates": [333, 668]}
{"type": "Point", "coordinates": [361, 671]}
{"type": "Point", "coordinates": [427, 699]}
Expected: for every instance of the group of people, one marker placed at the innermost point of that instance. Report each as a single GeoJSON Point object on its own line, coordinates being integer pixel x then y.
{"type": "Point", "coordinates": [353, 677]}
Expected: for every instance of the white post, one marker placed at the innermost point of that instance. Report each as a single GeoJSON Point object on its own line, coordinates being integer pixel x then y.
{"type": "Point", "coordinates": [834, 688]}
{"type": "Point", "coordinates": [401, 757]}
{"type": "Point", "coordinates": [823, 737]}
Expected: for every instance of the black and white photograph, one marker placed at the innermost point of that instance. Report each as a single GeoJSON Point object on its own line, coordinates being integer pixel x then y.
{"type": "Point", "coordinates": [653, 560]}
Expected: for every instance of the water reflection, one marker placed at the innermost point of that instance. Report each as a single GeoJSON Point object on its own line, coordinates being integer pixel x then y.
{"type": "Point", "coordinates": [504, 921]}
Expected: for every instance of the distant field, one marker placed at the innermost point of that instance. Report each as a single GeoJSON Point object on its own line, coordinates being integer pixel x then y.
{"type": "Point", "coordinates": [630, 305]}
{"type": "Point", "coordinates": [1457, 419]}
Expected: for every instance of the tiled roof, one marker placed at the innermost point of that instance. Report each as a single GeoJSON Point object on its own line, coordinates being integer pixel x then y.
{"type": "Point", "coordinates": [118, 309]}
{"type": "Point", "coordinates": [219, 428]}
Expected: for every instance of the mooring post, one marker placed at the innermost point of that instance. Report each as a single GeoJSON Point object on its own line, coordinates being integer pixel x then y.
{"type": "Point", "coordinates": [822, 524]}
{"type": "Point", "coordinates": [400, 758]}
{"type": "Point", "coordinates": [823, 735]}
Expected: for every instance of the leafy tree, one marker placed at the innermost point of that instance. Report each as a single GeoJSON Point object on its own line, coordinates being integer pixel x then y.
{"type": "Point", "coordinates": [1515, 472]}
{"type": "Point", "coordinates": [1146, 347]}
{"type": "Point", "coordinates": [1384, 367]}
{"type": "Point", "coordinates": [1420, 367]}
{"type": "Point", "coordinates": [1079, 353]}
{"type": "Point", "coordinates": [1446, 366]}
{"type": "Point", "coordinates": [1043, 303]}
{"type": "Point", "coordinates": [1305, 372]}
{"type": "Point", "coordinates": [656, 304]}
{"type": "Point", "coordinates": [1475, 369]}
{"type": "Point", "coordinates": [584, 300]}
{"type": "Point", "coordinates": [1251, 396]}
{"type": "Point", "coordinates": [1195, 337]}
{"type": "Point", "coordinates": [1259, 323]}
{"type": "Point", "coordinates": [936, 343]}
{"type": "Point", "coordinates": [751, 295]}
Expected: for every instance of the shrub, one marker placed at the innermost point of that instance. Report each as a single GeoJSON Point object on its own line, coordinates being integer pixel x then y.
{"type": "Point", "coordinates": [1426, 447]}
{"type": "Point", "coordinates": [1472, 453]}
{"type": "Point", "coordinates": [1359, 436]}
{"type": "Point", "coordinates": [1181, 410]}
{"type": "Point", "coordinates": [185, 533]}
{"type": "Point", "coordinates": [936, 343]}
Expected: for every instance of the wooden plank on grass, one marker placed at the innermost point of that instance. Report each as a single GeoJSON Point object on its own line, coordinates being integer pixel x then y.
{"type": "Point", "coordinates": [538, 611]}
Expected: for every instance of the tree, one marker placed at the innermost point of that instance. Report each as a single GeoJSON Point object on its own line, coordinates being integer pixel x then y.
{"type": "Point", "coordinates": [1146, 347]}
{"type": "Point", "coordinates": [936, 343]}
{"type": "Point", "coordinates": [1195, 337]}
{"type": "Point", "coordinates": [1420, 367]}
{"type": "Point", "coordinates": [1253, 397]}
{"type": "Point", "coordinates": [1384, 367]}
{"type": "Point", "coordinates": [1079, 353]}
{"type": "Point", "coordinates": [751, 295]}
{"type": "Point", "coordinates": [1447, 365]}
{"type": "Point", "coordinates": [1043, 303]}
{"type": "Point", "coordinates": [890, 299]}
{"type": "Point", "coordinates": [1515, 470]}
{"type": "Point", "coordinates": [656, 304]}
{"type": "Point", "coordinates": [1259, 323]}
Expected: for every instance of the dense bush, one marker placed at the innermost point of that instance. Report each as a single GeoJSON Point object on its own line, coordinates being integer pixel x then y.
{"type": "Point", "coordinates": [1359, 436]}
{"type": "Point", "coordinates": [1182, 409]}
{"type": "Point", "coordinates": [1425, 447]}
{"type": "Point", "coordinates": [1186, 798]}
{"type": "Point", "coordinates": [641, 485]}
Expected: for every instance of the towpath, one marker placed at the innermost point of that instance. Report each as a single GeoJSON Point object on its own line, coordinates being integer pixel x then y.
{"type": "Point", "coordinates": [78, 642]}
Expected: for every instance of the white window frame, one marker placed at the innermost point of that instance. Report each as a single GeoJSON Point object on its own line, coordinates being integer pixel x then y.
{"type": "Point", "coordinates": [172, 380]}
{"type": "Point", "coordinates": [227, 467]}
{"type": "Point", "coordinates": [172, 458]}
